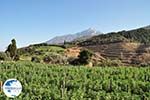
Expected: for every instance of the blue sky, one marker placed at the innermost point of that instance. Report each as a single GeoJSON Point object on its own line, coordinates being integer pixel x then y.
{"type": "Point", "coordinates": [35, 21]}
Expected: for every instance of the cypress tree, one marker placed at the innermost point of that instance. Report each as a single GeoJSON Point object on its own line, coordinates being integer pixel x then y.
{"type": "Point", "coordinates": [12, 49]}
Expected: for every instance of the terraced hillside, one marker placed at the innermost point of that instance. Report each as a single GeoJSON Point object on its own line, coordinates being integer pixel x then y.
{"type": "Point", "coordinates": [131, 47]}
{"type": "Point", "coordinates": [128, 53]}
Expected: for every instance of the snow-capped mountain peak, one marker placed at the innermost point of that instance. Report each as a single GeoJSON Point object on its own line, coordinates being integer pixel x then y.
{"type": "Point", "coordinates": [71, 37]}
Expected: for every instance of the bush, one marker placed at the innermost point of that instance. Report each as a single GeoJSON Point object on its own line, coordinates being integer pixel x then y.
{"type": "Point", "coordinates": [35, 59]}
{"type": "Point", "coordinates": [26, 50]}
{"type": "Point", "coordinates": [17, 57]}
{"type": "Point", "coordinates": [144, 64]}
{"type": "Point", "coordinates": [85, 56]}
{"type": "Point", "coordinates": [110, 63]}
{"type": "Point", "coordinates": [4, 57]}
{"type": "Point", "coordinates": [83, 59]}
{"type": "Point", "coordinates": [74, 61]}
{"type": "Point", "coordinates": [55, 59]}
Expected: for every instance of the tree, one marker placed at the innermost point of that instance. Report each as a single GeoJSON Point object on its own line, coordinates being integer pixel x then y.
{"type": "Point", "coordinates": [65, 42]}
{"type": "Point", "coordinates": [85, 56]}
{"type": "Point", "coordinates": [12, 49]}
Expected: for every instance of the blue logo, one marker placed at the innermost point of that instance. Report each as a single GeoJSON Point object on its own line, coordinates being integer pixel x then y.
{"type": "Point", "coordinates": [12, 88]}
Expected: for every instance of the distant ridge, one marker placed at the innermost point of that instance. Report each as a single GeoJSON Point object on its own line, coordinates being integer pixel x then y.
{"type": "Point", "coordinates": [140, 35]}
{"type": "Point", "coordinates": [73, 37]}
{"type": "Point", "coordinates": [147, 27]}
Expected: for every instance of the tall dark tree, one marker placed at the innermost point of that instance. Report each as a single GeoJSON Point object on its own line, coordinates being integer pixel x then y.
{"type": "Point", "coordinates": [12, 49]}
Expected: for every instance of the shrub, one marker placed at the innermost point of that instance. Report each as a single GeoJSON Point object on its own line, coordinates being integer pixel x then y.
{"type": "Point", "coordinates": [26, 50]}
{"type": "Point", "coordinates": [85, 56]}
{"type": "Point", "coordinates": [4, 57]}
{"type": "Point", "coordinates": [35, 59]}
{"type": "Point", "coordinates": [74, 61]}
{"type": "Point", "coordinates": [144, 64]}
{"type": "Point", "coordinates": [110, 63]}
{"type": "Point", "coordinates": [17, 57]}
{"type": "Point", "coordinates": [83, 59]}
{"type": "Point", "coordinates": [55, 59]}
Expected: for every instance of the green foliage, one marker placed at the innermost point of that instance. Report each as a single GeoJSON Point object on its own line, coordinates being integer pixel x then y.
{"type": "Point", "coordinates": [83, 58]}
{"type": "Point", "coordinates": [36, 59]}
{"type": "Point", "coordinates": [26, 51]}
{"type": "Point", "coordinates": [53, 82]}
{"type": "Point", "coordinates": [17, 57]}
{"type": "Point", "coordinates": [4, 57]}
{"type": "Point", "coordinates": [54, 58]}
{"type": "Point", "coordinates": [74, 61]}
{"type": "Point", "coordinates": [39, 50]}
{"type": "Point", "coordinates": [12, 49]}
{"type": "Point", "coordinates": [54, 49]}
{"type": "Point", "coordinates": [110, 63]}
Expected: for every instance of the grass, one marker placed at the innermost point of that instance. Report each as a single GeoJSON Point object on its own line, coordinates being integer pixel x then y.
{"type": "Point", "coordinates": [50, 49]}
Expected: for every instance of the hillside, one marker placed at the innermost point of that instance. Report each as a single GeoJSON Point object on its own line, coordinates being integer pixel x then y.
{"type": "Point", "coordinates": [128, 53]}
{"type": "Point", "coordinates": [131, 47]}
{"type": "Point", "coordinates": [39, 50]}
{"type": "Point", "coordinates": [140, 35]}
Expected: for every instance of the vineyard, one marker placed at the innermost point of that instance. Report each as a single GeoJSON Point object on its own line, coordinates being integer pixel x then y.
{"type": "Point", "coordinates": [54, 82]}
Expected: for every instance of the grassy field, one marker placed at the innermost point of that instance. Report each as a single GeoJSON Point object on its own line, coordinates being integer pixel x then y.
{"type": "Point", "coordinates": [53, 82]}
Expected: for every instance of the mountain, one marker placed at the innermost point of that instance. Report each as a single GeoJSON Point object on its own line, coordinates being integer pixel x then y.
{"type": "Point", "coordinates": [74, 37]}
